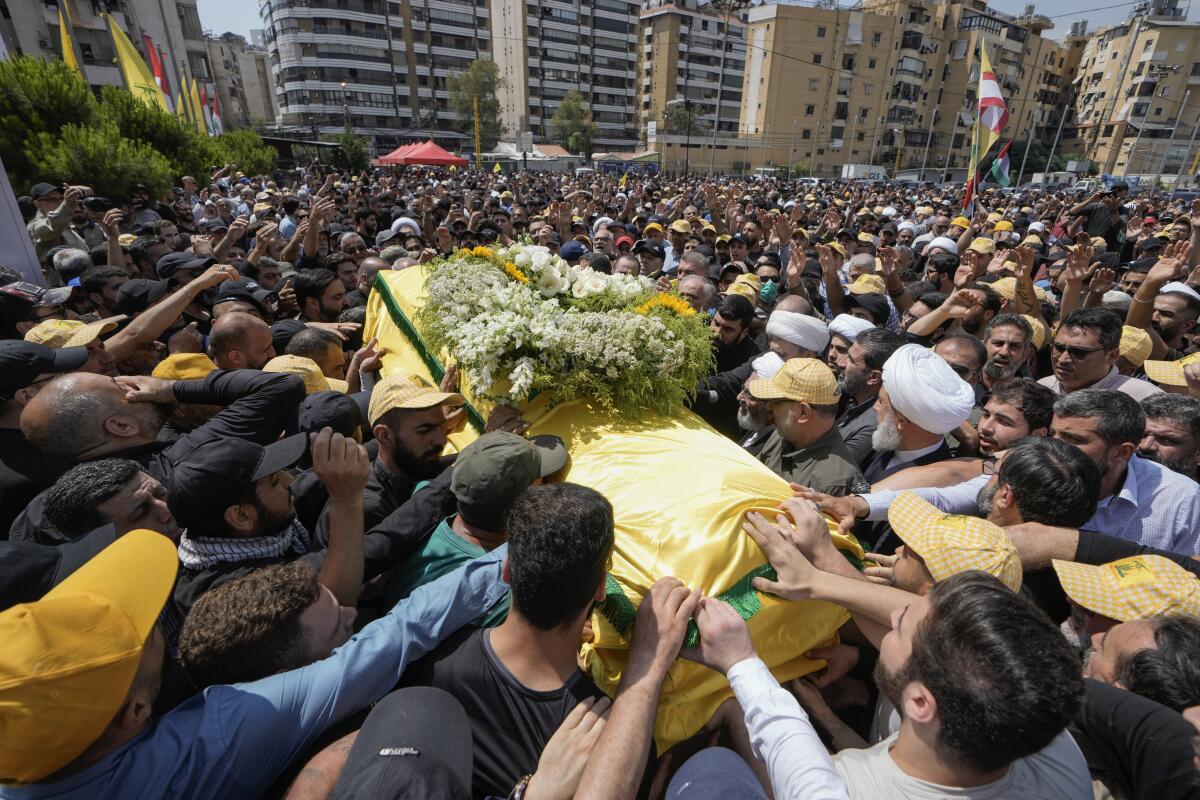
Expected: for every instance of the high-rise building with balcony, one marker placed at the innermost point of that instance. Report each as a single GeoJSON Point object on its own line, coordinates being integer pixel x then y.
{"type": "Point", "coordinates": [545, 50]}
{"type": "Point", "coordinates": [242, 82]}
{"type": "Point", "coordinates": [1136, 116]}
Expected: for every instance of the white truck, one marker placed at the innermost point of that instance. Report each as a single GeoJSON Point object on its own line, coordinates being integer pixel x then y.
{"type": "Point", "coordinates": [868, 172]}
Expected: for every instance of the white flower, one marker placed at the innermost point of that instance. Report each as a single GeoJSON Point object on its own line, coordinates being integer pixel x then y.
{"type": "Point", "coordinates": [593, 284]}
{"type": "Point", "coordinates": [550, 283]}
{"type": "Point", "coordinates": [522, 259]}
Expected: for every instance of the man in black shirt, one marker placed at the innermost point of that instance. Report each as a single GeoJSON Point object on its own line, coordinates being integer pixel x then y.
{"type": "Point", "coordinates": [519, 681]}
{"type": "Point", "coordinates": [1103, 212]}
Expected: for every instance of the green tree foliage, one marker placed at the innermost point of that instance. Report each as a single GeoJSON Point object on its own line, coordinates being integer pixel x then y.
{"type": "Point", "coordinates": [246, 149]}
{"type": "Point", "coordinates": [352, 154]}
{"type": "Point", "coordinates": [481, 80]}
{"type": "Point", "coordinates": [100, 157]}
{"type": "Point", "coordinates": [572, 125]}
{"type": "Point", "coordinates": [682, 118]}
{"type": "Point", "coordinates": [189, 152]}
{"type": "Point", "coordinates": [37, 97]}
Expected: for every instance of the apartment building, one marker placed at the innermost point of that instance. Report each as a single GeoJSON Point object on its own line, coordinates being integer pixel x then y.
{"type": "Point", "coordinates": [1138, 94]}
{"type": "Point", "coordinates": [544, 50]}
{"type": "Point", "coordinates": [242, 81]}
{"type": "Point", "coordinates": [30, 27]}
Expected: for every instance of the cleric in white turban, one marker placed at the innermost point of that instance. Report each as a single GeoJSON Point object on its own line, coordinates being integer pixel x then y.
{"type": "Point", "coordinates": [942, 243]}
{"type": "Point", "coordinates": [921, 387]}
{"type": "Point", "coordinates": [794, 335]}
{"type": "Point", "coordinates": [767, 365]}
{"type": "Point", "coordinates": [849, 326]}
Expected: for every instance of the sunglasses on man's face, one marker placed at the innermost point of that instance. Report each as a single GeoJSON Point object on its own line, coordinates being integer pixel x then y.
{"type": "Point", "coordinates": [1076, 353]}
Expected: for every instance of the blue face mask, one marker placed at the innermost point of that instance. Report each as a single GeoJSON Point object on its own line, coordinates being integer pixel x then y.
{"type": "Point", "coordinates": [769, 291]}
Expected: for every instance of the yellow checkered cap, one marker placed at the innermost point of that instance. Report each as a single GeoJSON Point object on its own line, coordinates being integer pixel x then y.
{"type": "Point", "coordinates": [952, 543]}
{"type": "Point", "coordinates": [981, 245]}
{"type": "Point", "coordinates": [1140, 587]}
{"type": "Point", "coordinates": [59, 333]}
{"type": "Point", "coordinates": [868, 284]}
{"type": "Point", "coordinates": [306, 368]}
{"type": "Point", "coordinates": [1168, 372]}
{"type": "Point", "coordinates": [407, 391]}
{"type": "Point", "coordinates": [1136, 345]}
{"type": "Point", "coordinates": [753, 281]}
{"type": "Point", "coordinates": [805, 380]}
{"type": "Point", "coordinates": [1039, 330]}
{"type": "Point", "coordinates": [961, 222]}
{"type": "Point", "coordinates": [743, 290]}
{"type": "Point", "coordinates": [184, 367]}
{"type": "Point", "coordinates": [1006, 288]}
{"type": "Point", "coordinates": [866, 237]}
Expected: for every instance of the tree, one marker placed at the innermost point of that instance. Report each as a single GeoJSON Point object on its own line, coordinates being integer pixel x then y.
{"type": "Point", "coordinates": [481, 80]}
{"type": "Point", "coordinates": [246, 149]}
{"type": "Point", "coordinates": [352, 154]}
{"type": "Point", "coordinates": [572, 125]}
{"type": "Point", "coordinates": [683, 119]}
{"type": "Point", "coordinates": [100, 157]}
{"type": "Point", "coordinates": [190, 152]}
{"type": "Point", "coordinates": [37, 97]}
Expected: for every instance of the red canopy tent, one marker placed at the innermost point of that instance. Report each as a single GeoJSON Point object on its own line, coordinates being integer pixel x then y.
{"type": "Point", "coordinates": [429, 153]}
{"type": "Point", "coordinates": [396, 155]}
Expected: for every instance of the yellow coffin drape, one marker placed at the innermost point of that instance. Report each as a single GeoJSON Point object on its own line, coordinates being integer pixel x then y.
{"type": "Point", "coordinates": [679, 491]}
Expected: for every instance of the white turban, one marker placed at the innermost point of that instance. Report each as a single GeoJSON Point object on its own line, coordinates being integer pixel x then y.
{"type": "Point", "coordinates": [406, 222]}
{"type": "Point", "coordinates": [906, 226]}
{"type": "Point", "coordinates": [1037, 226]}
{"type": "Point", "coordinates": [766, 365]}
{"type": "Point", "coordinates": [799, 329]}
{"type": "Point", "coordinates": [849, 326]}
{"type": "Point", "coordinates": [947, 244]}
{"type": "Point", "coordinates": [923, 388]}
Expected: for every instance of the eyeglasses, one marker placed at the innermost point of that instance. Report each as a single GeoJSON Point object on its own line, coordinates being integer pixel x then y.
{"type": "Point", "coordinates": [1077, 353]}
{"type": "Point", "coordinates": [353, 251]}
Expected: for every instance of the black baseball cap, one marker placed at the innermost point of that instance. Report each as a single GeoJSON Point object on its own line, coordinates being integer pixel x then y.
{"type": "Point", "coordinates": [344, 413]}
{"type": "Point", "coordinates": [283, 331]}
{"type": "Point", "coordinates": [171, 263]}
{"type": "Point", "coordinates": [30, 569]}
{"type": "Point", "coordinates": [40, 190]}
{"type": "Point", "coordinates": [655, 250]}
{"type": "Point", "coordinates": [246, 290]}
{"type": "Point", "coordinates": [874, 304]}
{"type": "Point", "coordinates": [136, 295]}
{"type": "Point", "coordinates": [22, 362]}
{"type": "Point", "coordinates": [98, 204]}
{"type": "Point", "coordinates": [415, 743]}
{"type": "Point", "coordinates": [218, 473]}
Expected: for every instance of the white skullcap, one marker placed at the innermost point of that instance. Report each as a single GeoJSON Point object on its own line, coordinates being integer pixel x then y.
{"type": "Point", "coordinates": [945, 243]}
{"type": "Point", "coordinates": [1179, 287]}
{"type": "Point", "coordinates": [598, 224]}
{"type": "Point", "coordinates": [406, 222]}
{"type": "Point", "coordinates": [906, 225]}
{"type": "Point", "coordinates": [889, 212]}
{"type": "Point", "coordinates": [766, 365]}
{"type": "Point", "coordinates": [923, 388]}
{"type": "Point", "coordinates": [1037, 226]}
{"type": "Point", "coordinates": [799, 329]}
{"type": "Point", "coordinates": [849, 326]}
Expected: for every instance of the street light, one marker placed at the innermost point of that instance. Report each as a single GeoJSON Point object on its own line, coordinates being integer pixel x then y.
{"type": "Point", "coordinates": [346, 104]}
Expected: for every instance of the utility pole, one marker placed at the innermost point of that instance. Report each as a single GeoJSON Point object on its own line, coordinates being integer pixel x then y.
{"type": "Point", "coordinates": [1028, 142]}
{"type": "Point", "coordinates": [792, 151]}
{"type": "Point", "coordinates": [346, 105]}
{"type": "Point", "coordinates": [1057, 134]}
{"type": "Point", "coordinates": [850, 141]}
{"type": "Point", "coordinates": [1191, 145]}
{"type": "Point", "coordinates": [687, 139]}
{"type": "Point", "coordinates": [944, 177]}
{"type": "Point", "coordinates": [727, 9]}
{"type": "Point", "coordinates": [899, 132]}
{"type": "Point", "coordinates": [1163, 161]}
{"type": "Point", "coordinates": [812, 149]}
{"type": "Point", "coordinates": [928, 142]}
{"type": "Point", "coordinates": [874, 141]}
{"type": "Point", "coordinates": [478, 148]}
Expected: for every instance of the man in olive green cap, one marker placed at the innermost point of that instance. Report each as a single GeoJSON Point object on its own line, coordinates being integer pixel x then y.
{"type": "Point", "coordinates": [489, 474]}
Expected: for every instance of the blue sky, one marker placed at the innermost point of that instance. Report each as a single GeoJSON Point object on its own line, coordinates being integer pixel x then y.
{"type": "Point", "coordinates": [239, 16]}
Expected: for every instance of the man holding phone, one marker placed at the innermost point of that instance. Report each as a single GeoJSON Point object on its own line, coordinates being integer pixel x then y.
{"type": "Point", "coordinates": [1104, 217]}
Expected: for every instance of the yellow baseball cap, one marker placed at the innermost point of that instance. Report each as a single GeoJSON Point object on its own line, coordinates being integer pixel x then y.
{"type": "Point", "coordinates": [681, 226]}
{"type": "Point", "coordinates": [724, 237]}
{"type": "Point", "coordinates": [981, 245]}
{"type": "Point", "coordinates": [837, 247]}
{"type": "Point", "coordinates": [954, 543]}
{"type": "Point", "coordinates": [184, 367]}
{"type": "Point", "coordinates": [59, 333]}
{"type": "Point", "coordinates": [1139, 587]}
{"type": "Point", "coordinates": [407, 391]}
{"type": "Point", "coordinates": [804, 380]}
{"type": "Point", "coordinates": [867, 284]}
{"type": "Point", "coordinates": [69, 659]}
{"type": "Point", "coordinates": [961, 222]}
{"type": "Point", "coordinates": [1039, 331]}
{"type": "Point", "coordinates": [1003, 225]}
{"type": "Point", "coordinates": [749, 279]}
{"type": "Point", "coordinates": [800, 231]}
{"type": "Point", "coordinates": [743, 290]}
{"type": "Point", "coordinates": [1098, 241]}
{"type": "Point", "coordinates": [708, 226]}
{"type": "Point", "coordinates": [1031, 239]}
{"type": "Point", "coordinates": [1005, 287]}
{"type": "Point", "coordinates": [995, 216]}
{"type": "Point", "coordinates": [653, 226]}
{"type": "Point", "coordinates": [1169, 372]}
{"type": "Point", "coordinates": [866, 237]}
{"type": "Point", "coordinates": [1136, 345]}
{"type": "Point", "coordinates": [126, 239]}
{"type": "Point", "coordinates": [314, 380]}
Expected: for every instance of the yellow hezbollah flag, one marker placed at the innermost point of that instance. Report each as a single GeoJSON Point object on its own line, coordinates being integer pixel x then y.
{"type": "Point", "coordinates": [624, 179]}
{"type": "Point", "coordinates": [68, 46]}
{"type": "Point", "coordinates": [138, 78]}
{"type": "Point", "coordinates": [679, 492]}
{"type": "Point", "coordinates": [496, 169]}
{"type": "Point", "coordinates": [196, 109]}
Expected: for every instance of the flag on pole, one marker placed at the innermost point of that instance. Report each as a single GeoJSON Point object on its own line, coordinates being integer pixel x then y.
{"type": "Point", "coordinates": [208, 123]}
{"type": "Point", "coordinates": [990, 120]}
{"type": "Point", "coordinates": [1000, 167]}
{"type": "Point", "coordinates": [156, 67]}
{"type": "Point", "coordinates": [194, 104]}
{"type": "Point", "coordinates": [624, 180]}
{"type": "Point", "coordinates": [138, 78]}
{"type": "Point", "coordinates": [68, 46]}
{"type": "Point", "coordinates": [218, 123]}
{"type": "Point", "coordinates": [496, 169]}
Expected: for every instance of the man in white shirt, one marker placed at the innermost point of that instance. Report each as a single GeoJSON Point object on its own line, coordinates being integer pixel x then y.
{"type": "Point", "coordinates": [984, 682]}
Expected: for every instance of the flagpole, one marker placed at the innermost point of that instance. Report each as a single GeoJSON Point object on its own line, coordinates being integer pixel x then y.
{"type": "Point", "coordinates": [972, 164]}
{"type": "Point", "coordinates": [949, 149]}
{"type": "Point", "coordinates": [928, 142]}
{"type": "Point", "coordinates": [1028, 141]}
{"type": "Point", "coordinates": [65, 19]}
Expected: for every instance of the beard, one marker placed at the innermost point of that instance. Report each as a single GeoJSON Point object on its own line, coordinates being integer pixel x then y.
{"type": "Point", "coordinates": [987, 499]}
{"type": "Point", "coordinates": [998, 372]}
{"type": "Point", "coordinates": [886, 436]}
{"type": "Point", "coordinates": [418, 467]}
{"type": "Point", "coordinates": [273, 523]}
{"type": "Point", "coordinates": [750, 422]}
{"type": "Point", "coordinates": [891, 685]}
{"type": "Point", "coordinates": [854, 383]}
{"type": "Point", "coordinates": [1184, 466]}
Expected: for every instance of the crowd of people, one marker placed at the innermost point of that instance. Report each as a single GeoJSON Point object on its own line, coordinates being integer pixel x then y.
{"type": "Point", "coordinates": [239, 560]}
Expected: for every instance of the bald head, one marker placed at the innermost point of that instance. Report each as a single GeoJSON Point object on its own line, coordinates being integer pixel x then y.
{"type": "Point", "coordinates": [367, 270]}
{"type": "Point", "coordinates": [794, 303]}
{"type": "Point", "coordinates": [83, 414]}
{"type": "Point", "coordinates": [240, 341]}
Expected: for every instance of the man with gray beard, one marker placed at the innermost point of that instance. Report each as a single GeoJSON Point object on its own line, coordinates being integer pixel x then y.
{"type": "Point", "coordinates": [754, 416]}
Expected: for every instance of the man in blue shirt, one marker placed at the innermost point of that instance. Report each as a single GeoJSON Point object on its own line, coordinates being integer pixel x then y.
{"type": "Point", "coordinates": [82, 667]}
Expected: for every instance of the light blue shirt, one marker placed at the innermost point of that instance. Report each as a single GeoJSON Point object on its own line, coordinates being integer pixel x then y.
{"type": "Point", "coordinates": [287, 227]}
{"type": "Point", "coordinates": [234, 741]}
{"type": "Point", "coordinates": [1155, 506]}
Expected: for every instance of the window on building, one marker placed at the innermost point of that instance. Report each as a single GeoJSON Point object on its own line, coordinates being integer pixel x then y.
{"type": "Point", "coordinates": [860, 136]}
{"type": "Point", "coordinates": [1157, 112]}
{"type": "Point", "coordinates": [813, 84]}
{"type": "Point", "coordinates": [871, 62]}
{"type": "Point", "coordinates": [806, 134]}
{"type": "Point", "coordinates": [876, 38]}
{"type": "Point", "coordinates": [810, 109]}
{"type": "Point", "coordinates": [820, 32]}
{"type": "Point", "coordinates": [189, 20]}
{"type": "Point", "coordinates": [816, 59]}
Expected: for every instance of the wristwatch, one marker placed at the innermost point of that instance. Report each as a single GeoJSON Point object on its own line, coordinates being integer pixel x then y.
{"type": "Point", "coordinates": [518, 792]}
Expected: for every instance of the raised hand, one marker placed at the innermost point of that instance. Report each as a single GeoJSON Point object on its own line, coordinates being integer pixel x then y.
{"type": "Point", "coordinates": [1102, 280]}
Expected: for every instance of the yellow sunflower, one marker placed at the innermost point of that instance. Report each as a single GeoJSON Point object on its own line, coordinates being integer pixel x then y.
{"type": "Point", "coordinates": [669, 302]}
